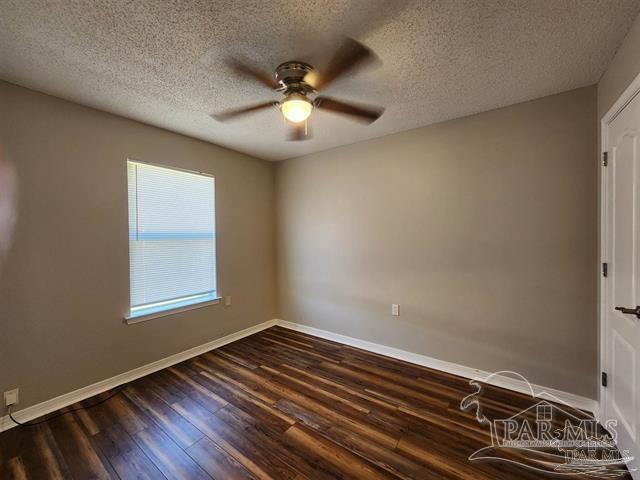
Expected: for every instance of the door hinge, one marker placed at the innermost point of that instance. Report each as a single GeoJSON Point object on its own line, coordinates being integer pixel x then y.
{"type": "Point", "coordinates": [605, 159]}
{"type": "Point", "coordinates": [605, 269]}
{"type": "Point", "coordinates": [604, 379]}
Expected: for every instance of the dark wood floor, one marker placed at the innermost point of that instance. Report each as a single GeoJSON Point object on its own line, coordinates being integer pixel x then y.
{"type": "Point", "coordinates": [277, 405]}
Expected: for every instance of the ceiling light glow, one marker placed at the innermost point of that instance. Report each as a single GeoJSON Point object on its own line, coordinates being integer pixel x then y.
{"type": "Point", "coordinates": [296, 108]}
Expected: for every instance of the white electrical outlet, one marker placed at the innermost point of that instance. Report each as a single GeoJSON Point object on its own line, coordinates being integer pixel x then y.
{"type": "Point", "coordinates": [395, 309]}
{"type": "Point", "coordinates": [11, 397]}
{"type": "Point", "coordinates": [227, 301]}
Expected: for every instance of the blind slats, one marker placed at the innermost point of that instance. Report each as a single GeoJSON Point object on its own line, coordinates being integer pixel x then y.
{"type": "Point", "coordinates": [172, 240]}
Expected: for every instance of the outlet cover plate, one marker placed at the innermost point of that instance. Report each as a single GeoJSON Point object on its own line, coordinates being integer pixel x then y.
{"type": "Point", "coordinates": [11, 397]}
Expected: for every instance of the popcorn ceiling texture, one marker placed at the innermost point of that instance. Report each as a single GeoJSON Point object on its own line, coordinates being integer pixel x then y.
{"type": "Point", "coordinates": [161, 62]}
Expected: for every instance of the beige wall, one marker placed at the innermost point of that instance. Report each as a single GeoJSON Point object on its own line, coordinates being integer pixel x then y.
{"type": "Point", "coordinates": [64, 285]}
{"type": "Point", "coordinates": [624, 67]}
{"type": "Point", "coordinates": [483, 229]}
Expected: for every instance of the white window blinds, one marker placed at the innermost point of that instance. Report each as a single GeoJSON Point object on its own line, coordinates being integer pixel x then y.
{"type": "Point", "coordinates": [172, 240]}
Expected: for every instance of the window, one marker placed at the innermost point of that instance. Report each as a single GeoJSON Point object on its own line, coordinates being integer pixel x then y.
{"type": "Point", "coordinates": [544, 413]}
{"type": "Point", "coordinates": [172, 239]}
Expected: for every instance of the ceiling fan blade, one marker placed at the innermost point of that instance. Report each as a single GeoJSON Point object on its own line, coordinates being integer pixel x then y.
{"type": "Point", "coordinates": [299, 131]}
{"type": "Point", "coordinates": [231, 114]}
{"type": "Point", "coordinates": [364, 114]}
{"type": "Point", "coordinates": [255, 73]}
{"type": "Point", "coordinates": [350, 54]}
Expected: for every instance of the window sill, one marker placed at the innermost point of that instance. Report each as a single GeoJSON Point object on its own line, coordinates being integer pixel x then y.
{"type": "Point", "coordinates": [143, 316]}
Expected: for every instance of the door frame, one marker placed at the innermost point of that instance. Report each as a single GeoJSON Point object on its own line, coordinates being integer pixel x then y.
{"type": "Point", "coordinates": [627, 96]}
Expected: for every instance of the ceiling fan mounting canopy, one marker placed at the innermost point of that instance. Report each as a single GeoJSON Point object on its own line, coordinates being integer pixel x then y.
{"type": "Point", "coordinates": [291, 77]}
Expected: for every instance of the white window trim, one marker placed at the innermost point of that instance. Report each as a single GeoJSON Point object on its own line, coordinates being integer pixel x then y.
{"type": "Point", "coordinates": [171, 167]}
{"type": "Point", "coordinates": [133, 318]}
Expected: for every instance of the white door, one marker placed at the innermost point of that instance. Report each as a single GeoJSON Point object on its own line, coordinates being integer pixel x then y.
{"type": "Point", "coordinates": [621, 287]}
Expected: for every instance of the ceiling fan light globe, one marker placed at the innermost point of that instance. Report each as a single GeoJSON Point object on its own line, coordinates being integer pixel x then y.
{"type": "Point", "coordinates": [296, 109]}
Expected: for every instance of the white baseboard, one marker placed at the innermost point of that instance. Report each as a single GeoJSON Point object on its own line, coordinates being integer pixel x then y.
{"type": "Point", "coordinates": [83, 393]}
{"type": "Point", "coordinates": [509, 383]}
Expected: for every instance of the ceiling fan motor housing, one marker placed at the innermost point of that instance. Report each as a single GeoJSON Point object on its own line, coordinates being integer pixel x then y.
{"type": "Point", "coordinates": [290, 75]}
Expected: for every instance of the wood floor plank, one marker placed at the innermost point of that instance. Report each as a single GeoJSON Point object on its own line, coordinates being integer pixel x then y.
{"type": "Point", "coordinates": [162, 385]}
{"type": "Point", "coordinates": [245, 400]}
{"type": "Point", "coordinates": [272, 441]}
{"type": "Point", "coordinates": [402, 367]}
{"type": "Point", "coordinates": [314, 378]}
{"type": "Point", "coordinates": [16, 469]}
{"type": "Point", "coordinates": [124, 454]}
{"type": "Point", "coordinates": [183, 432]}
{"type": "Point", "coordinates": [304, 351]}
{"type": "Point", "coordinates": [277, 405]}
{"type": "Point", "coordinates": [217, 462]}
{"type": "Point", "coordinates": [235, 374]}
{"type": "Point", "coordinates": [422, 385]}
{"type": "Point", "coordinates": [357, 424]}
{"type": "Point", "coordinates": [307, 344]}
{"type": "Point", "coordinates": [244, 349]}
{"type": "Point", "coordinates": [77, 449]}
{"type": "Point", "coordinates": [37, 452]}
{"type": "Point", "coordinates": [196, 391]}
{"type": "Point", "coordinates": [387, 387]}
{"type": "Point", "coordinates": [228, 353]}
{"type": "Point", "coordinates": [281, 390]}
{"type": "Point", "coordinates": [45, 460]}
{"type": "Point", "coordinates": [210, 425]}
{"type": "Point", "coordinates": [167, 455]}
{"type": "Point", "coordinates": [343, 459]}
{"type": "Point", "coordinates": [237, 443]}
{"type": "Point", "coordinates": [385, 458]}
{"type": "Point", "coordinates": [127, 414]}
{"type": "Point", "coordinates": [272, 352]}
{"type": "Point", "coordinates": [285, 332]}
{"type": "Point", "coordinates": [309, 389]}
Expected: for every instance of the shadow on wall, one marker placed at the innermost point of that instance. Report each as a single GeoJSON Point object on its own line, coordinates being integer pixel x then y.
{"type": "Point", "coordinates": [8, 205]}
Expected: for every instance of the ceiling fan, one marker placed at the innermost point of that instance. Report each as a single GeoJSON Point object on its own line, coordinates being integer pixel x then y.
{"type": "Point", "coordinates": [299, 83]}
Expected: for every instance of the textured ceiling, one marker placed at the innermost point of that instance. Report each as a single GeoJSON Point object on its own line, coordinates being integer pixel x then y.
{"type": "Point", "coordinates": [162, 62]}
